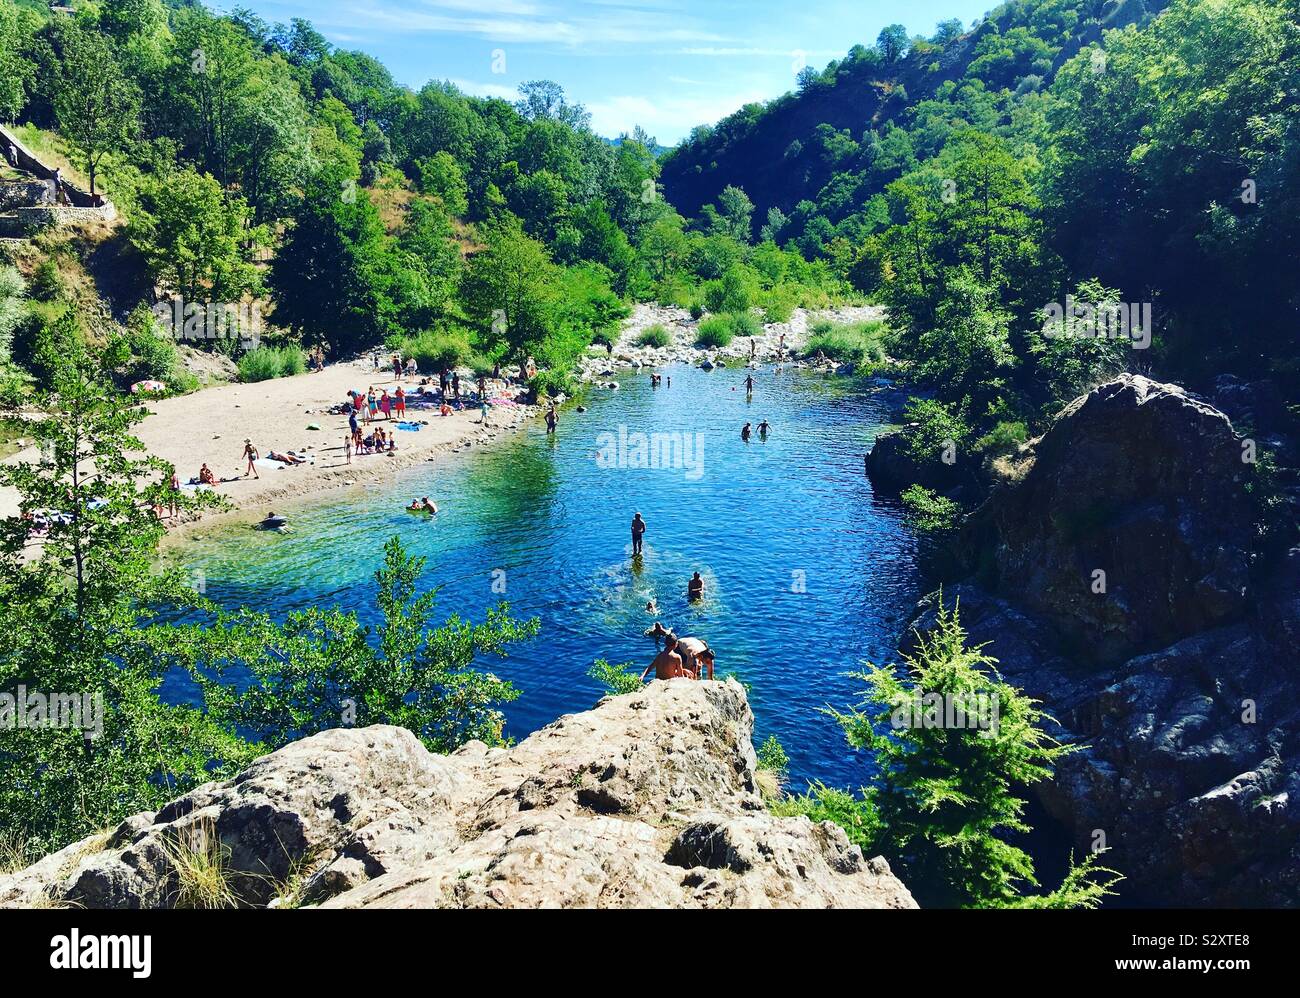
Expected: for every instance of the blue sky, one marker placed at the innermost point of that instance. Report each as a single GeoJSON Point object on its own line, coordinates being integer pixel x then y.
{"type": "Point", "coordinates": [666, 65]}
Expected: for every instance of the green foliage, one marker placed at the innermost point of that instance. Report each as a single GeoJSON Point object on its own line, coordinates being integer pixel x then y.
{"type": "Point", "coordinates": [85, 616]}
{"type": "Point", "coordinates": [436, 350]}
{"type": "Point", "coordinates": [929, 512]}
{"type": "Point", "coordinates": [13, 293]}
{"type": "Point", "coordinates": [859, 343]}
{"type": "Point", "coordinates": [1004, 438]}
{"type": "Point", "coordinates": [95, 102]}
{"type": "Point", "coordinates": [947, 793]}
{"type": "Point", "coordinates": [772, 756]}
{"type": "Point", "coordinates": [931, 428]}
{"type": "Point", "coordinates": [654, 336]}
{"type": "Point", "coordinates": [715, 331]}
{"type": "Point", "coordinates": [322, 668]}
{"type": "Point", "coordinates": [616, 679]}
{"type": "Point", "coordinates": [552, 383]}
{"type": "Point", "coordinates": [264, 363]}
{"type": "Point", "coordinates": [857, 815]}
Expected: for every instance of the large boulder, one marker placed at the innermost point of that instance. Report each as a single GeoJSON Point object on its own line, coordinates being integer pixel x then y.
{"type": "Point", "coordinates": [1133, 526]}
{"type": "Point", "coordinates": [647, 800]}
{"type": "Point", "coordinates": [1176, 680]}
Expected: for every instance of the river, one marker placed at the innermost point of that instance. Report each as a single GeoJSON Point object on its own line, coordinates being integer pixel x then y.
{"type": "Point", "coordinates": [808, 574]}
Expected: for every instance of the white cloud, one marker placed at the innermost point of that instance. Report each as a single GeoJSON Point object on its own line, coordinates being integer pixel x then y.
{"type": "Point", "coordinates": [476, 89]}
{"type": "Point", "coordinates": [663, 118]}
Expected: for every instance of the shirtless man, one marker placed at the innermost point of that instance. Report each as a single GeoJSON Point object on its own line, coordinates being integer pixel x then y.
{"type": "Point", "coordinates": [638, 531]}
{"type": "Point", "coordinates": [667, 664]}
{"type": "Point", "coordinates": [695, 588]}
{"type": "Point", "coordinates": [696, 656]}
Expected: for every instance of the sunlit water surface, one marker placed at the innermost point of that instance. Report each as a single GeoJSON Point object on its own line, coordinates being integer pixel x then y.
{"type": "Point", "coordinates": [808, 573]}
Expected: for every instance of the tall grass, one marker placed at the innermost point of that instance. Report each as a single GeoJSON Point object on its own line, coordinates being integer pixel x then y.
{"type": "Point", "coordinates": [858, 343]}
{"type": "Point", "coordinates": [264, 363]}
{"type": "Point", "coordinates": [654, 336]}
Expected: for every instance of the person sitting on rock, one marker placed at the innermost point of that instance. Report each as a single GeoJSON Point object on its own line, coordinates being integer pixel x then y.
{"type": "Point", "coordinates": [667, 664]}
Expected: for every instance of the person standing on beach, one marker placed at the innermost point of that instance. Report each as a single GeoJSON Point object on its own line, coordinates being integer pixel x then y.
{"type": "Point", "coordinates": [372, 405]}
{"type": "Point", "coordinates": [250, 452]}
{"type": "Point", "coordinates": [347, 448]}
{"type": "Point", "coordinates": [455, 385]}
{"type": "Point", "coordinates": [399, 402]}
{"type": "Point", "coordinates": [638, 532]}
{"type": "Point", "coordinates": [482, 387]}
{"type": "Point", "coordinates": [386, 404]}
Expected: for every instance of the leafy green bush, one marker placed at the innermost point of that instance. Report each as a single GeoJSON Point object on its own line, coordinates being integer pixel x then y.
{"type": "Point", "coordinates": [264, 363]}
{"type": "Point", "coordinates": [552, 382]}
{"type": "Point", "coordinates": [929, 512]}
{"type": "Point", "coordinates": [615, 678]}
{"type": "Point", "coordinates": [780, 304]}
{"type": "Point", "coordinates": [697, 310]}
{"type": "Point", "coordinates": [1004, 438]}
{"type": "Point", "coordinates": [745, 324]}
{"type": "Point", "coordinates": [654, 336]}
{"type": "Point", "coordinates": [46, 284]}
{"type": "Point", "coordinates": [933, 428]}
{"type": "Point", "coordinates": [435, 350]}
{"type": "Point", "coordinates": [946, 792]}
{"type": "Point", "coordinates": [715, 331]}
{"type": "Point", "coordinates": [856, 815]}
{"type": "Point", "coordinates": [857, 343]}
{"type": "Point", "coordinates": [772, 756]}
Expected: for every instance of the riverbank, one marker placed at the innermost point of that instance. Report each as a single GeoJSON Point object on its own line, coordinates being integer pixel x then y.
{"type": "Point", "coordinates": [210, 426]}
{"type": "Point", "coordinates": [779, 341]}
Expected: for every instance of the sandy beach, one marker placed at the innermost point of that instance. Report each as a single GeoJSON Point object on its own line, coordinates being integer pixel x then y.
{"type": "Point", "coordinates": [210, 426]}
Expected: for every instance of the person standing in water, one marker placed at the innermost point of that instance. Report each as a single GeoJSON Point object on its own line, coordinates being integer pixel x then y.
{"type": "Point", "coordinates": [638, 532]}
{"type": "Point", "coordinates": [763, 427]}
{"type": "Point", "coordinates": [695, 588]}
{"type": "Point", "coordinates": [551, 418]}
{"type": "Point", "coordinates": [749, 384]}
{"type": "Point", "coordinates": [744, 433]}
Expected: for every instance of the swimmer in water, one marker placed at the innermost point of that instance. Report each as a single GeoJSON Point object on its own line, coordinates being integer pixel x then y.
{"type": "Point", "coordinates": [658, 632]}
{"type": "Point", "coordinates": [651, 607]}
{"type": "Point", "coordinates": [763, 427]}
{"type": "Point", "coordinates": [695, 588]}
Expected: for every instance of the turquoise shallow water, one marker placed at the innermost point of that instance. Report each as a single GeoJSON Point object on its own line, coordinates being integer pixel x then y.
{"type": "Point", "coordinates": [808, 573]}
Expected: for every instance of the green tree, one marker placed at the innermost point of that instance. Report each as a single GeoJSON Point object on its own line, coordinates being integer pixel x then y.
{"type": "Point", "coordinates": [322, 668]}
{"type": "Point", "coordinates": [96, 105]}
{"type": "Point", "coordinates": [441, 177]}
{"type": "Point", "coordinates": [195, 237]}
{"type": "Point", "coordinates": [81, 607]}
{"type": "Point", "coordinates": [509, 290]}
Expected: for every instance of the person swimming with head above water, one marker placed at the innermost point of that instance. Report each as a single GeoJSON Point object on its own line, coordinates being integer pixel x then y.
{"type": "Point", "coordinates": [658, 632]}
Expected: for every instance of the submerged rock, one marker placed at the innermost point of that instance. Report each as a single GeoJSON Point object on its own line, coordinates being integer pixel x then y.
{"type": "Point", "coordinates": [649, 799]}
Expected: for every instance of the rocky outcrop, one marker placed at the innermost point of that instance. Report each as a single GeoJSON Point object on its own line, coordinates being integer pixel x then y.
{"type": "Point", "coordinates": [1134, 525]}
{"type": "Point", "coordinates": [1177, 679]}
{"type": "Point", "coordinates": [648, 800]}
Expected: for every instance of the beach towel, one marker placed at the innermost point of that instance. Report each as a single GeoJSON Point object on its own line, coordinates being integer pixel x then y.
{"type": "Point", "coordinates": [412, 427]}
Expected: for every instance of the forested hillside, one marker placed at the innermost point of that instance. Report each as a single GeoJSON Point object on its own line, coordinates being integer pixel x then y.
{"type": "Point", "coordinates": [1067, 190]}
{"type": "Point", "coordinates": [258, 163]}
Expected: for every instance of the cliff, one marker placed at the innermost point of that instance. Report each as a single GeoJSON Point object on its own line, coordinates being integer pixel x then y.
{"type": "Point", "coordinates": [647, 800]}
{"type": "Point", "coordinates": [1174, 670]}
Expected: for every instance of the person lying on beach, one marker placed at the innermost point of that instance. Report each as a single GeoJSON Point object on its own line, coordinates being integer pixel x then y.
{"type": "Point", "coordinates": [667, 664]}
{"type": "Point", "coordinates": [695, 588]}
{"type": "Point", "coordinates": [289, 458]}
{"type": "Point", "coordinates": [206, 477]}
{"type": "Point", "coordinates": [696, 656]}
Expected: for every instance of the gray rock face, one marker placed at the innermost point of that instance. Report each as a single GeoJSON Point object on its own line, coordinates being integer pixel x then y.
{"type": "Point", "coordinates": [1142, 482]}
{"type": "Point", "coordinates": [1178, 682]}
{"type": "Point", "coordinates": [647, 800]}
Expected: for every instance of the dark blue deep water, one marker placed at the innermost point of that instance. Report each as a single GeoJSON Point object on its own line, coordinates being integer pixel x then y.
{"type": "Point", "coordinates": [808, 574]}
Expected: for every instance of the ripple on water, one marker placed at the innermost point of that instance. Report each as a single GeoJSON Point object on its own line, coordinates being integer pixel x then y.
{"type": "Point", "coordinates": [807, 574]}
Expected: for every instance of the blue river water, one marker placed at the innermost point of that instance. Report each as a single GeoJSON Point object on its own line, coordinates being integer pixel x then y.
{"type": "Point", "coordinates": [808, 573]}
